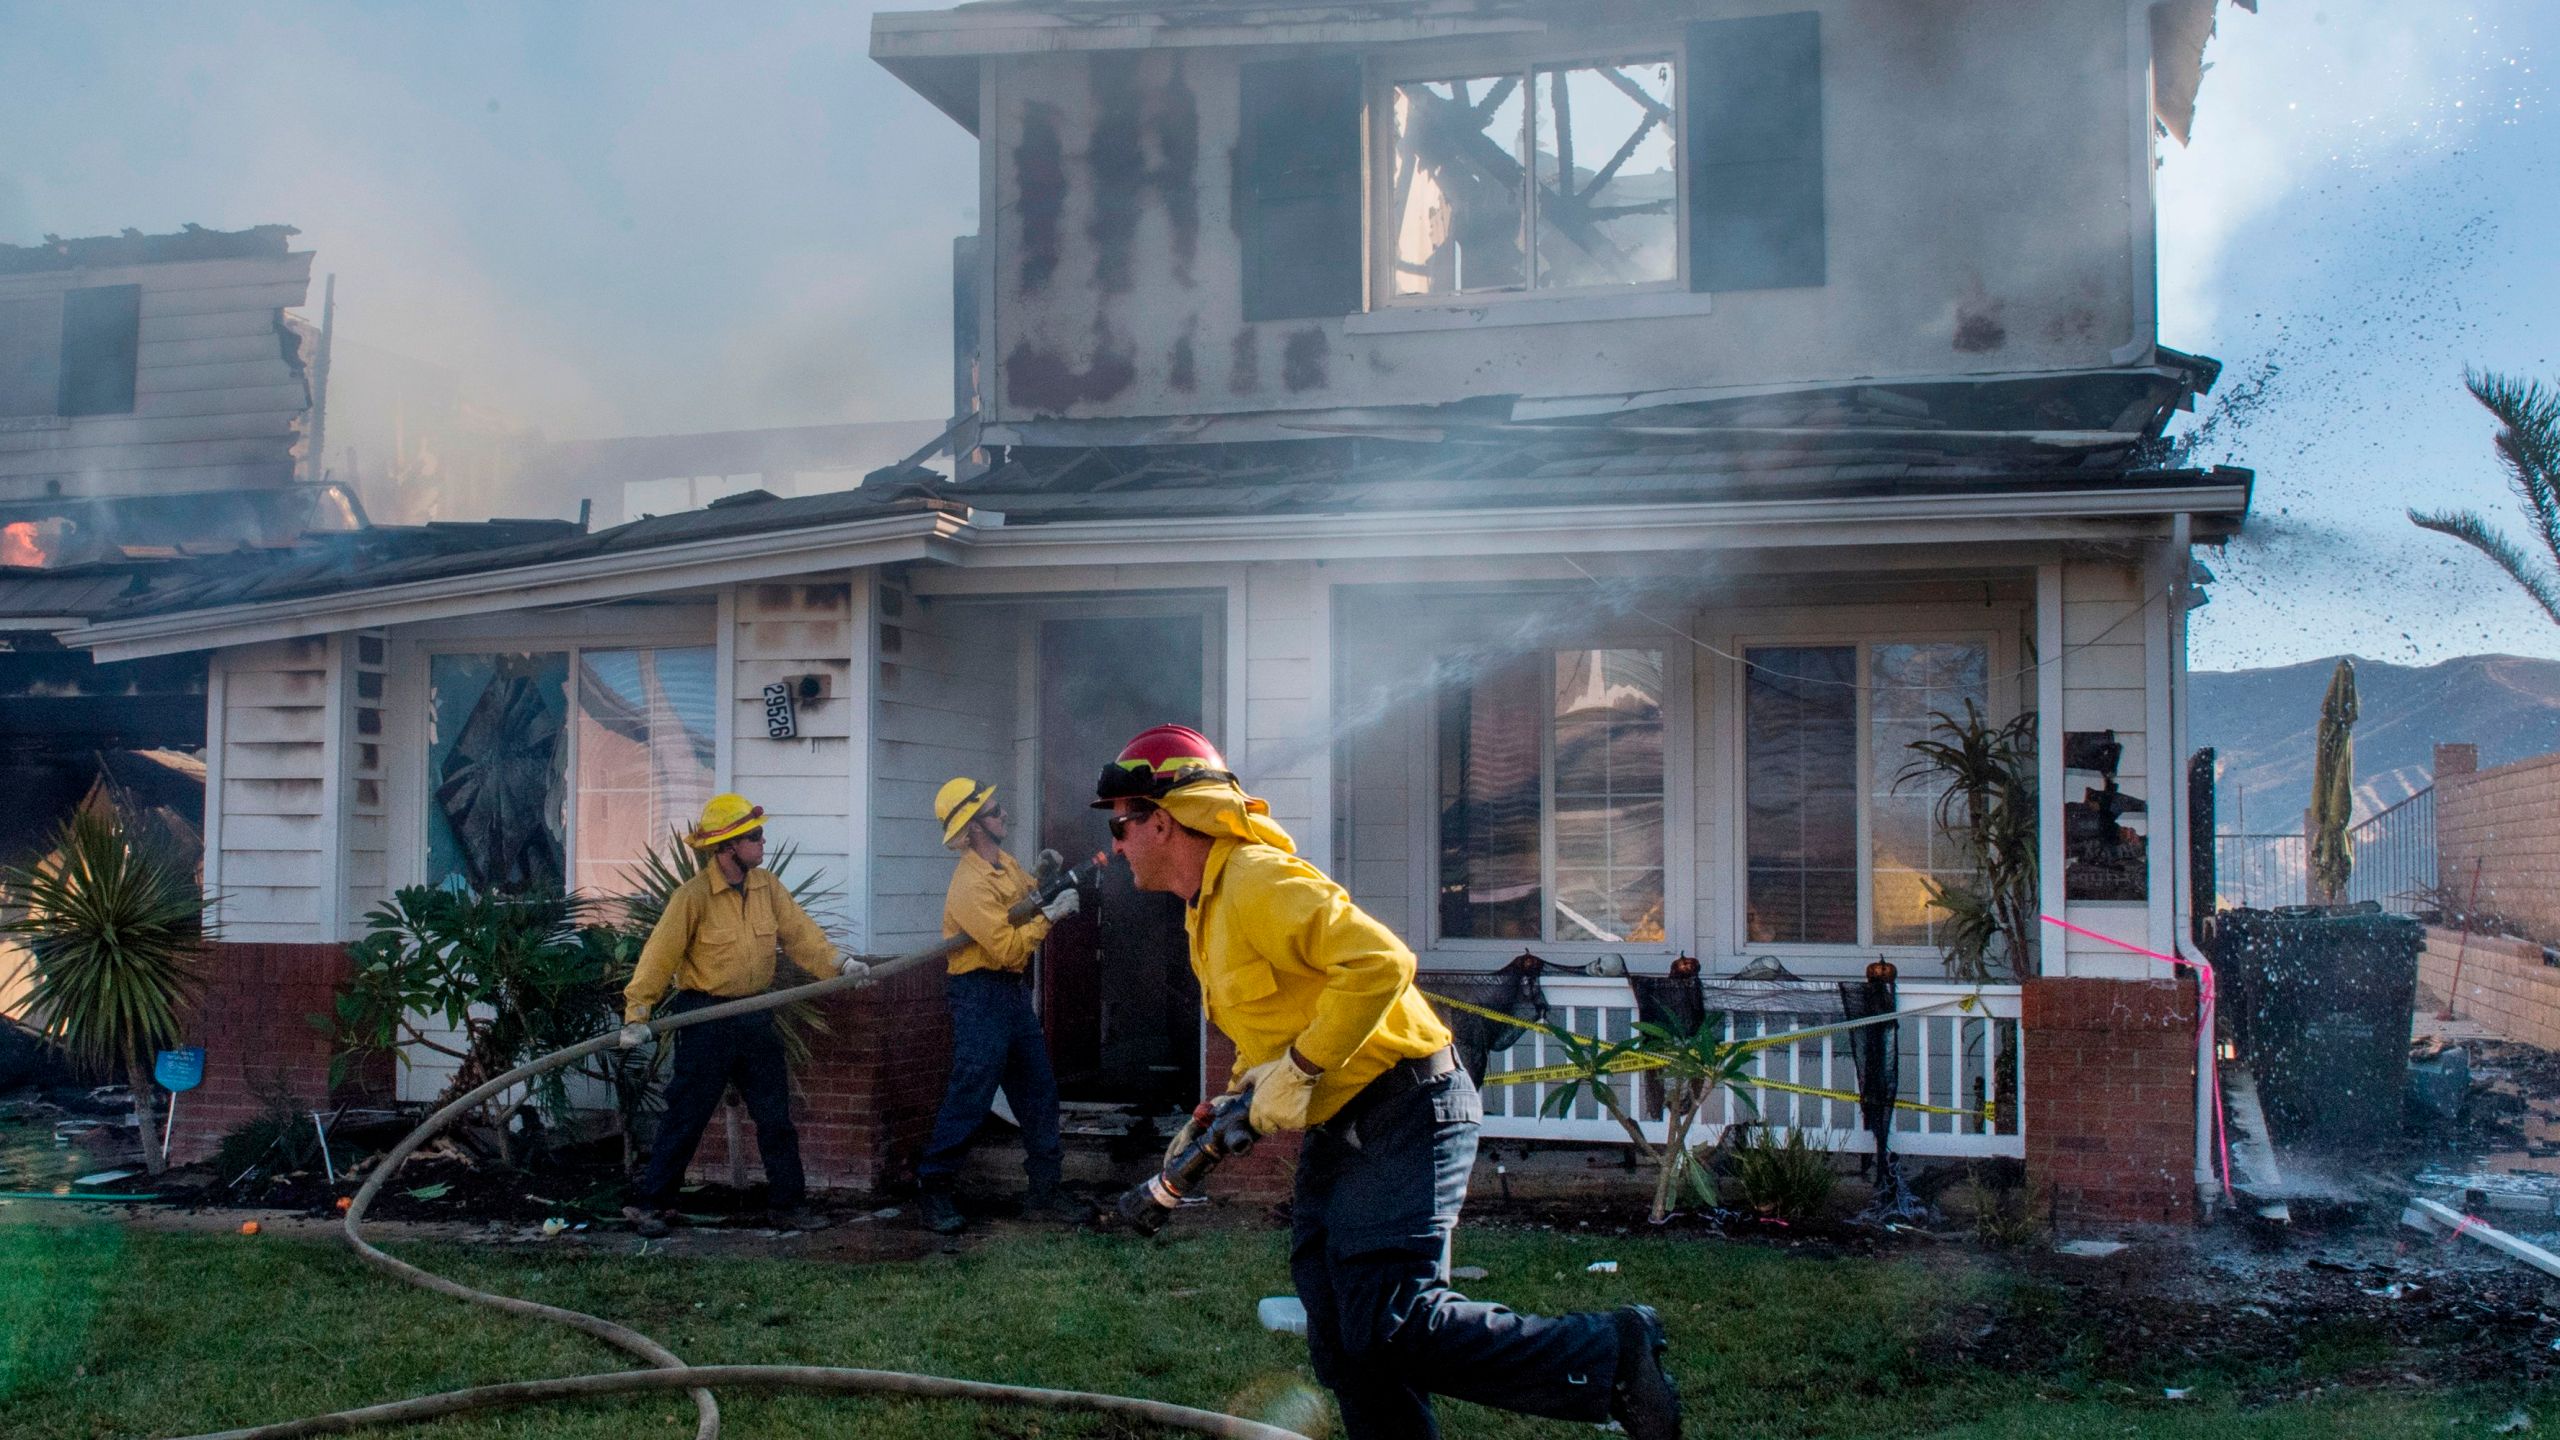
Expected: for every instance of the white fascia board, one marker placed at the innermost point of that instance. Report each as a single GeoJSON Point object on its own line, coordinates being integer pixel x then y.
{"type": "Point", "coordinates": [963, 33]}
{"type": "Point", "coordinates": [1570, 407]}
{"type": "Point", "coordinates": [1766, 524]}
{"type": "Point", "coordinates": [585, 580]}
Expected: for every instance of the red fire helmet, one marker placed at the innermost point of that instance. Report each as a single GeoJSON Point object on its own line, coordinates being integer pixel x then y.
{"type": "Point", "coordinates": [1159, 760]}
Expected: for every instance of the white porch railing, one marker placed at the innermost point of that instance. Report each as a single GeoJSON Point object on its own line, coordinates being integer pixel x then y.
{"type": "Point", "coordinates": [1955, 1059]}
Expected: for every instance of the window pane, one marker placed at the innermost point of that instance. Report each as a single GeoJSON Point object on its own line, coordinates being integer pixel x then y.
{"type": "Point", "coordinates": [1912, 684]}
{"type": "Point", "coordinates": [1608, 182]}
{"type": "Point", "coordinates": [644, 756]}
{"type": "Point", "coordinates": [1800, 785]}
{"type": "Point", "coordinates": [497, 770]}
{"type": "Point", "coordinates": [1460, 200]}
{"type": "Point", "coordinates": [1608, 795]}
{"type": "Point", "coordinates": [1490, 727]}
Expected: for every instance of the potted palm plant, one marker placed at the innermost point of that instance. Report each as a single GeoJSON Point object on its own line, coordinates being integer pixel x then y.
{"type": "Point", "coordinates": [116, 923]}
{"type": "Point", "coordinates": [1986, 774]}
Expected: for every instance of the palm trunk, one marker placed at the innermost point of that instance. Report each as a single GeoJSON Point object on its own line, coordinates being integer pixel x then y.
{"type": "Point", "coordinates": [146, 1116]}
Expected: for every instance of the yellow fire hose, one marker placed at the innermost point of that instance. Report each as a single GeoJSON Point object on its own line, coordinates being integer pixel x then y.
{"type": "Point", "coordinates": [668, 1371]}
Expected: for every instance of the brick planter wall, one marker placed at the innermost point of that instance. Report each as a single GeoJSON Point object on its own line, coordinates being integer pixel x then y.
{"type": "Point", "coordinates": [2110, 1098]}
{"type": "Point", "coordinates": [2504, 826]}
{"type": "Point", "coordinates": [252, 1022]}
{"type": "Point", "coordinates": [2505, 985]}
{"type": "Point", "coordinates": [865, 1102]}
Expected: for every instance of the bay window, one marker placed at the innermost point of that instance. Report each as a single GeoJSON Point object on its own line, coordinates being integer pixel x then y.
{"type": "Point", "coordinates": [1550, 793]}
{"type": "Point", "coordinates": [1838, 850]}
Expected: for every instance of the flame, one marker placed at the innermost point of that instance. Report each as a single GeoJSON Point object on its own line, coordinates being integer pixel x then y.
{"type": "Point", "coordinates": [22, 545]}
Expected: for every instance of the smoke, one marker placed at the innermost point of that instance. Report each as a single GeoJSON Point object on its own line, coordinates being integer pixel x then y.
{"type": "Point", "coordinates": [637, 219]}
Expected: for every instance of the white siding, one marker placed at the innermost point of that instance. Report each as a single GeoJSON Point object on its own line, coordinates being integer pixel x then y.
{"type": "Point", "coordinates": [948, 686]}
{"type": "Point", "coordinates": [216, 402]}
{"type": "Point", "coordinates": [1382, 719]}
{"type": "Point", "coordinates": [783, 631]}
{"type": "Point", "coordinates": [1283, 615]}
{"type": "Point", "coordinates": [364, 779]}
{"type": "Point", "coordinates": [274, 868]}
{"type": "Point", "coordinates": [2105, 668]}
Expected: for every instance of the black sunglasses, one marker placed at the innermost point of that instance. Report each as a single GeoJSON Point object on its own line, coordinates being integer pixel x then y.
{"type": "Point", "coordinates": [1121, 822]}
{"type": "Point", "coordinates": [992, 812]}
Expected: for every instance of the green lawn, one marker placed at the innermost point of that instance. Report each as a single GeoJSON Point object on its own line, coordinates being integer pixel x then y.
{"type": "Point", "coordinates": [106, 1331]}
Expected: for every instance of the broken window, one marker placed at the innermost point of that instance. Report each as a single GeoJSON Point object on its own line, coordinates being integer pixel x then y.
{"type": "Point", "coordinates": [1550, 178]}
{"type": "Point", "coordinates": [1828, 728]}
{"type": "Point", "coordinates": [1551, 799]}
{"type": "Point", "coordinates": [101, 349]}
{"type": "Point", "coordinates": [30, 356]}
{"type": "Point", "coordinates": [497, 771]}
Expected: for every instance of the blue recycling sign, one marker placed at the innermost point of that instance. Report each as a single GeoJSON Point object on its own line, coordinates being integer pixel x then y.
{"type": "Point", "coordinates": [180, 1069]}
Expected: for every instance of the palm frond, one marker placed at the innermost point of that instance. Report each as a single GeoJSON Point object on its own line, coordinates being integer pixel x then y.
{"type": "Point", "coordinates": [2466, 526]}
{"type": "Point", "coordinates": [2530, 445]}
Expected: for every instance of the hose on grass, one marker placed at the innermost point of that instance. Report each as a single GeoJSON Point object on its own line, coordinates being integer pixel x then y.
{"type": "Point", "coordinates": [669, 1371]}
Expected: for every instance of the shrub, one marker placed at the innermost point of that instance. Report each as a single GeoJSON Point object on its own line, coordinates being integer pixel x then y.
{"type": "Point", "coordinates": [1788, 1180]}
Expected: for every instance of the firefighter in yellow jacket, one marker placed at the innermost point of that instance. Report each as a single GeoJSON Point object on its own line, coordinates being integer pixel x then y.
{"type": "Point", "coordinates": [717, 940]}
{"type": "Point", "coordinates": [1333, 1039]}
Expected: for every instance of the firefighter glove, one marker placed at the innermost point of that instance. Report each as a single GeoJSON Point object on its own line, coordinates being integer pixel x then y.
{"type": "Point", "coordinates": [1281, 1094]}
{"type": "Point", "coordinates": [1069, 901]}
{"type": "Point", "coordinates": [855, 967]}
{"type": "Point", "coordinates": [633, 1035]}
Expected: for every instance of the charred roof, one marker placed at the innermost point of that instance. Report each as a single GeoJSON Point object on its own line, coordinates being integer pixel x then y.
{"type": "Point", "coordinates": [99, 252]}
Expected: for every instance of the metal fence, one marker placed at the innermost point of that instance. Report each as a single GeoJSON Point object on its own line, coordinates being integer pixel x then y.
{"type": "Point", "coordinates": [2395, 855]}
{"type": "Point", "coordinates": [2260, 871]}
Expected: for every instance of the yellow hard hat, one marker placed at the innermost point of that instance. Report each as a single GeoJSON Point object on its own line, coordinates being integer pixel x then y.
{"type": "Point", "coordinates": [957, 803]}
{"type": "Point", "coordinates": [724, 818]}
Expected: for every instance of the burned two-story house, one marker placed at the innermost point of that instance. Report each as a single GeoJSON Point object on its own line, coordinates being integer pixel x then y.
{"type": "Point", "coordinates": [1565, 453]}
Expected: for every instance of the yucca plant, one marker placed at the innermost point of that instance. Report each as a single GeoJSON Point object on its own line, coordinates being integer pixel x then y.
{"type": "Point", "coordinates": [1987, 806]}
{"type": "Point", "coordinates": [1695, 1066]}
{"type": "Point", "coordinates": [117, 925]}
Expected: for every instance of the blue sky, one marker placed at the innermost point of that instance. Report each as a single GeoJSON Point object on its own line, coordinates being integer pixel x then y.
{"type": "Point", "coordinates": [644, 218]}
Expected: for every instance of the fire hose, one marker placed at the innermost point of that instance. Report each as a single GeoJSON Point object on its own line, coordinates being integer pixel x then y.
{"type": "Point", "coordinates": [667, 1370]}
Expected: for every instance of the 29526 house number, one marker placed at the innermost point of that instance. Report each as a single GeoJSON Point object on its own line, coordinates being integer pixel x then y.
{"type": "Point", "coordinates": [779, 723]}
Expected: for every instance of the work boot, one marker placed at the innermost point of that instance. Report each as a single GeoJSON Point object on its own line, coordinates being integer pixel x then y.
{"type": "Point", "coordinates": [646, 1222]}
{"type": "Point", "coordinates": [942, 1213]}
{"type": "Point", "coordinates": [1052, 1202]}
{"type": "Point", "coordinates": [1642, 1399]}
{"type": "Point", "coordinates": [796, 1217]}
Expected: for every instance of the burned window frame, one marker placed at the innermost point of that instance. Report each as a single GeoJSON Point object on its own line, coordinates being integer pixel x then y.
{"type": "Point", "coordinates": [1524, 64]}
{"type": "Point", "coordinates": [2008, 693]}
{"type": "Point", "coordinates": [1679, 852]}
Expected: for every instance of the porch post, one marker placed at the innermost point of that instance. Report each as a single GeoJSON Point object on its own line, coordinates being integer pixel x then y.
{"type": "Point", "coordinates": [2053, 954]}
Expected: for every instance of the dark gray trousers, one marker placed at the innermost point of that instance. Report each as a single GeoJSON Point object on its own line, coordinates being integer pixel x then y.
{"type": "Point", "coordinates": [1378, 1194]}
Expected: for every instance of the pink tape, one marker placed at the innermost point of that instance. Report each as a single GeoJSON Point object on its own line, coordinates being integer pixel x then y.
{"type": "Point", "coordinates": [2204, 1026]}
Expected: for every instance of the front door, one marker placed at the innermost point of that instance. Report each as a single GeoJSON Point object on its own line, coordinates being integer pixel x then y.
{"type": "Point", "coordinates": [1118, 1000]}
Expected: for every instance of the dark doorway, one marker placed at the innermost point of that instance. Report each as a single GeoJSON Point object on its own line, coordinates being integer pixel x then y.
{"type": "Point", "coordinates": [1117, 996]}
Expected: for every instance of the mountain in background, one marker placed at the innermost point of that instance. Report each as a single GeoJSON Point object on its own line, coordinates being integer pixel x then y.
{"type": "Point", "coordinates": [2261, 724]}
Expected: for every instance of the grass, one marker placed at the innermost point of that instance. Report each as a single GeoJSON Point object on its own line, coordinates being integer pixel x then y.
{"type": "Point", "coordinates": [110, 1331]}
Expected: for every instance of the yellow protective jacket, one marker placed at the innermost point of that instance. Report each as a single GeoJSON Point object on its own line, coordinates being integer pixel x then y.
{"type": "Point", "coordinates": [720, 939]}
{"type": "Point", "coordinates": [1284, 958]}
{"type": "Point", "coordinates": [975, 906]}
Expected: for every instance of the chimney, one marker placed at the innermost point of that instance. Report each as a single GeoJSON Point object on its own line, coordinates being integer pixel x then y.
{"type": "Point", "coordinates": [2456, 760]}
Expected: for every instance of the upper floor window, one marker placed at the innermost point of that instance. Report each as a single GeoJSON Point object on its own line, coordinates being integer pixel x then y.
{"type": "Point", "coordinates": [1550, 177]}
{"type": "Point", "coordinates": [72, 354]}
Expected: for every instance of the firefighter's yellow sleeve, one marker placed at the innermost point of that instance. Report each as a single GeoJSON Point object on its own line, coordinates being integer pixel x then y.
{"type": "Point", "coordinates": [803, 942]}
{"type": "Point", "coordinates": [1286, 959]}
{"type": "Point", "coordinates": [664, 951]}
{"type": "Point", "coordinates": [976, 906]}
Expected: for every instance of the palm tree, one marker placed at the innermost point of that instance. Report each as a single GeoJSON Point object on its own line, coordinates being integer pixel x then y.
{"type": "Point", "coordinates": [116, 924]}
{"type": "Point", "coordinates": [2529, 445]}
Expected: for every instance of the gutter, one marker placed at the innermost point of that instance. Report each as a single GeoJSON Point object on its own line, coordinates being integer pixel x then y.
{"type": "Point", "coordinates": [584, 580]}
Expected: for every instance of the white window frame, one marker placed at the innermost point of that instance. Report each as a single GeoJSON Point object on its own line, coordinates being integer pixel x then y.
{"type": "Point", "coordinates": [1996, 628]}
{"type": "Point", "coordinates": [1526, 60]}
{"type": "Point", "coordinates": [686, 627]}
{"type": "Point", "coordinates": [1679, 848]}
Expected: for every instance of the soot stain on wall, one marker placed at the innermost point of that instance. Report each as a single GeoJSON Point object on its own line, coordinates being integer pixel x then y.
{"type": "Point", "coordinates": [1302, 359]}
{"type": "Point", "coordinates": [1174, 124]}
{"type": "Point", "coordinates": [1182, 371]}
{"type": "Point", "coordinates": [1040, 178]}
{"type": "Point", "coordinates": [1244, 368]}
{"type": "Point", "coordinates": [1117, 158]}
{"type": "Point", "coordinates": [1045, 382]}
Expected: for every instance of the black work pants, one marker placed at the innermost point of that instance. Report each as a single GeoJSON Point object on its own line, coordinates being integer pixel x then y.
{"type": "Point", "coordinates": [745, 1050]}
{"type": "Point", "coordinates": [1377, 1201]}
